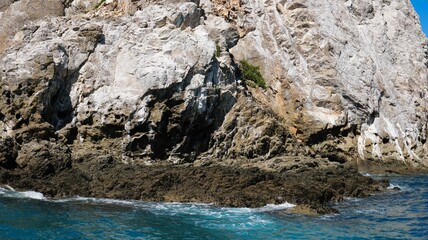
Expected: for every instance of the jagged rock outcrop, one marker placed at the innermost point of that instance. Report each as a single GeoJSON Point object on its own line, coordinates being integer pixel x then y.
{"type": "Point", "coordinates": [146, 82]}
{"type": "Point", "coordinates": [158, 80]}
{"type": "Point", "coordinates": [346, 77]}
{"type": "Point", "coordinates": [137, 88]}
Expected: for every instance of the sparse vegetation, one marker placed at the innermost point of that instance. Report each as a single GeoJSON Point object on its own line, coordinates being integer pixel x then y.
{"type": "Point", "coordinates": [251, 75]}
{"type": "Point", "coordinates": [217, 50]}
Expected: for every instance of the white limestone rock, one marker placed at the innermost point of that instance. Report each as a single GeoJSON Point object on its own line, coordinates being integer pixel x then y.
{"type": "Point", "coordinates": [348, 64]}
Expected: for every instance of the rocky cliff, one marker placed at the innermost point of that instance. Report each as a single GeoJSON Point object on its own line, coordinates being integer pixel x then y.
{"type": "Point", "coordinates": [90, 82]}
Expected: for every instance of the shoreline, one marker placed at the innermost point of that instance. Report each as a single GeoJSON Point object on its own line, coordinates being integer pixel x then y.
{"type": "Point", "coordinates": [360, 217]}
{"type": "Point", "coordinates": [310, 189]}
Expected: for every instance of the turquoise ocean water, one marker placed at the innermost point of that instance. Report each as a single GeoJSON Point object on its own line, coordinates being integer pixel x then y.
{"type": "Point", "coordinates": [391, 215]}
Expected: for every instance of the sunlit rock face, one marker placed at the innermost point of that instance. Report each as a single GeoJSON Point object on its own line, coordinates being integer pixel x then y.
{"type": "Point", "coordinates": [156, 81]}
{"type": "Point", "coordinates": [346, 76]}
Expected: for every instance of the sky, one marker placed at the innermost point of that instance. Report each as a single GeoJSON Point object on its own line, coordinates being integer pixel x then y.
{"type": "Point", "coordinates": [421, 7]}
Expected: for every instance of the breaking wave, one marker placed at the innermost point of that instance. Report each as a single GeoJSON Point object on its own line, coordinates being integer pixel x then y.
{"type": "Point", "coordinates": [8, 191]}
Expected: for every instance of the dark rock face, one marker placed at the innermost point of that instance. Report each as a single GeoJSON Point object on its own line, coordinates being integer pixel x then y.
{"type": "Point", "coordinates": [222, 185]}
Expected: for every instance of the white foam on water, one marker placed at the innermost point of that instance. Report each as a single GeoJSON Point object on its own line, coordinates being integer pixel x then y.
{"type": "Point", "coordinates": [10, 192]}
{"type": "Point", "coordinates": [267, 208]}
{"type": "Point", "coordinates": [211, 209]}
{"type": "Point", "coordinates": [392, 186]}
{"type": "Point", "coordinates": [6, 188]}
{"type": "Point", "coordinates": [352, 199]}
{"type": "Point", "coordinates": [172, 208]}
{"type": "Point", "coordinates": [274, 207]}
{"type": "Point", "coordinates": [116, 201]}
{"type": "Point", "coordinates": [370, 211]}
{"type": "Point", "coordinates": [32, 195]}
{"type": "Point", "coordinates": [330, 217]}
{"type": "Point", "coordinates": [239, 210]}
{"type": "Point", "coordinates": [192, 209]}
{"type": "Point", "coordinates": [96, 200]}
{"type": "Point", "coordinates": [9, 188]}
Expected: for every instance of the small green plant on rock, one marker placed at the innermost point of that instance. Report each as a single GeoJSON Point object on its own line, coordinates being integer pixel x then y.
{"type": "Point", "coordinates": [251, 75]}
{"type": "Point", "coordinates": [217, 50]}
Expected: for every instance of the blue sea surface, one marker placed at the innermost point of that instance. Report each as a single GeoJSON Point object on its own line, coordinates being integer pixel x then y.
{"type": "Point", "coordinates": [390, 215]}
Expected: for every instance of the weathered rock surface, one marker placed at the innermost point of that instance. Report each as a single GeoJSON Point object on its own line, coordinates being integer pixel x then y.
{"type": "Point", "coordinates": [131, 82]}
{"type": "Point", "coordinates": [15, 14]}
{"type": "Point", "coordinates": [138, 87]}
{"type": "Point", "coordinates": [226, 186]}
{"type": "Point", "coordinates": [355, 71]}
